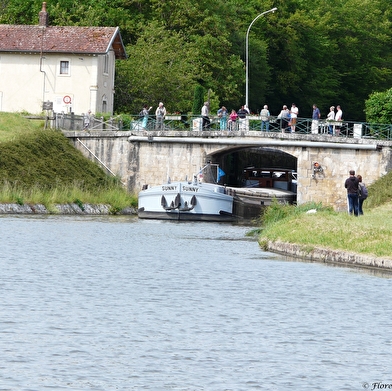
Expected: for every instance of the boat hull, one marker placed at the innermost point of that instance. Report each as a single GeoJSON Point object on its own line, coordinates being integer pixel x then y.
{"type": "Point", "coordinates": [186, 201]}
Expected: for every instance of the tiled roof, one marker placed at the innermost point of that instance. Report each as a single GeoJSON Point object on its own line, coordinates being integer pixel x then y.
{"type": "Point", "coordinates": [57, 39]}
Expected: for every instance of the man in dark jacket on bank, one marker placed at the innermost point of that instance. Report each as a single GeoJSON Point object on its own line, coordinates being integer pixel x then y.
{"type": "Point", "coordinates": [351, 185]}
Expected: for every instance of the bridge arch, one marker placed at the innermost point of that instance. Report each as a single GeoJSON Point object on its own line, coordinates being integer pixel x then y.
{"type": "Point", "coordinates": [234, 160]}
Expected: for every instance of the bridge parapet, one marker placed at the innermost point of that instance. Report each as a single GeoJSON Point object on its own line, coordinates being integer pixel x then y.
{"type": "Point", "coordinates": [186, 123]}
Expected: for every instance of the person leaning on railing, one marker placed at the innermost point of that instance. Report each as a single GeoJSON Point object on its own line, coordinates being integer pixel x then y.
{"type": "Point", "coordinates": [284, 118]}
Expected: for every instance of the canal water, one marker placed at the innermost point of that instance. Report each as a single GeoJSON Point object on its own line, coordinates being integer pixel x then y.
{"type": "Point", "coordinates": [118, 303]}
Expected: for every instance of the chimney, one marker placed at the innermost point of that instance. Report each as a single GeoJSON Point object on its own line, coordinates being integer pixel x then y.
{"type": "Point", "coordinates": [43, 16]}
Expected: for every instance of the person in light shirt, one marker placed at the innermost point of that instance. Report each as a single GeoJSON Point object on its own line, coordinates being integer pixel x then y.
{"type": "Point", "coordinates": [338, 118]}
{"type": "Point", "coordinates": [293, 116]}
{"type": "Point", "coordinates": [160, 114]}
{"type": "Point", "coordinates": [265, 118]}
{"type": "Point", "coordinates": [330, 119]}
{"type": "Point", "coordinates": [205, 112]}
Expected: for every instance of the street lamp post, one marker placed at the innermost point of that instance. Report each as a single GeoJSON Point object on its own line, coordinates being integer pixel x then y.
{"type": "Point", "coordinates": [247, 53]}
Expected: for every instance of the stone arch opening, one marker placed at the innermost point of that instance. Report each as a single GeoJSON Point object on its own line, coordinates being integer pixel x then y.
{"type": "Point", "coordinates": [234, 161]}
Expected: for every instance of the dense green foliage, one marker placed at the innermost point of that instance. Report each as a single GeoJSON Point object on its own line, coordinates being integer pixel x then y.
{"type": "Point", "coordinates": [379, 107]}
{"type": "Point", "coordinates": [323, 52]}
{"type": "Point", "coordinates": [198, 99]}
{"type": "Point", "coordinates": [380, 192]}
{"type": "Point", "coordinates": [37, 164]}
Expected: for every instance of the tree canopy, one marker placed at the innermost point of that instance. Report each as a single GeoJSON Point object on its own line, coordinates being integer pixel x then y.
{"type": "Point", "coordinates": [322, 52]}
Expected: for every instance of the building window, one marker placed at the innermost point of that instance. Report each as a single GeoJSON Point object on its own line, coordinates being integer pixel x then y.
{"type": "Point", "coordinates": [106, 64]}
{"type": "Point", "coordinates": [64, 67]}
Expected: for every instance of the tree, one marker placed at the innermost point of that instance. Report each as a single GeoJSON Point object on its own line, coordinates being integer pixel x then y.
{"type": "Point", "coordinates": [198, 99]}
{"type": "Point", "coordinates": [162, 66]}
{"type": "Point", "coordinates": [307, 52]}
{"type": "Point", "coordinates": [379, 107]}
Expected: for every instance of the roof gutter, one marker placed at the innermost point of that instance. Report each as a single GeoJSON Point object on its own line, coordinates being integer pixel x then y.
{"type": "Point", "coordinates": [253, 143]}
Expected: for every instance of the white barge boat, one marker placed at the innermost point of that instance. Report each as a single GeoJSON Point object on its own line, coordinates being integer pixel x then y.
{"type": "Point", "coordinates": [203, 201]}
{"type": "Point", "coordinates": [186, 201]}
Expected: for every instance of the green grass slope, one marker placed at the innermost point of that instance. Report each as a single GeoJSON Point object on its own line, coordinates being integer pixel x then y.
{"type": "Point", "coordinates": [41, 166]}
{"type": "Point", "coordinates": [370, 234]}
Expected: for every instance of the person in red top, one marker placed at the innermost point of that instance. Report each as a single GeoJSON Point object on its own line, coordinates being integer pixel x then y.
{"type": "Point", "coordinates": [233, 119]}
{"type": "Point", "coordinates": [351, 184]}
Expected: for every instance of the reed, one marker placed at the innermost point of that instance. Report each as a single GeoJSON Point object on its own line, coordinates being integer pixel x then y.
{"type": "Point", "coordinates": [116, 197]}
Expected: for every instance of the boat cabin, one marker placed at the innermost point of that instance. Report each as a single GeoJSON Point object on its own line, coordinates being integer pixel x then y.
{"type": "Point", "coordinates": [276, 178]}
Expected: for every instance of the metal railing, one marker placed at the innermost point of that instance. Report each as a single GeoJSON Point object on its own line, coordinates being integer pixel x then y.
{"type": "Point", "coordinates": [253, 123]}
{"type": "Point", "coordinates": [349, 129]}
{"type": "Point", "coordinates": [78, 122]}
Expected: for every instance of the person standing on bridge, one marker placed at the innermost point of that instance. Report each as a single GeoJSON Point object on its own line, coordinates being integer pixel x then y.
{"type": "Point", "coordinates": [242, 113]}
{"type": "Point", "coordinates": [315, 119]}
{"type": "Point", "coordinates": [284, 118]}
{"type": "Point", "coordinates": [293, 116]}
{"type": "Point", "coordinates": [233, 120]}
{"type": "Point", "coordinates": [160, 114]}
{"type": "Point", "coordinates": [351, 184]}
{"type": "Point", "coordinates": [205, 111]}
{"type": "Point", "coordinates": [265, 118]}
{"type": "Point", "coordinates": [87, 120]}
{"type": "Point", "coordinates": [338, 118]}
{"type": "Point", "coordinates": [144, 115]}
{"type": "Point", "coordinates": [331, 119]}
{"type": "Point", "coordinates": [222, 115]}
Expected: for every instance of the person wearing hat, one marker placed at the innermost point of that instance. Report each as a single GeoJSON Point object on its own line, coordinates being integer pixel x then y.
{"type": "Point", "coordinates": [351, 184]}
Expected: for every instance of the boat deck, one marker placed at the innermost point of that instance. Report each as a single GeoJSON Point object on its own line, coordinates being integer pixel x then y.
{"type": "Point", "coordinates": [266, 194]}
{"type": "Point", "coordinates": [250, 202]}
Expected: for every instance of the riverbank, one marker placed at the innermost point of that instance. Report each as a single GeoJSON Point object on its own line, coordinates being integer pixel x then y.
{"type": "Point", "coordinates": [326, 255]}
{"type": "Point", "coordinates": [322, 235]}
{"type": "Point", "coordinates": [65, 209]}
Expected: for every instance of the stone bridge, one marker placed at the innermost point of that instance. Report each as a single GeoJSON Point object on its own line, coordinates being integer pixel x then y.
{"type": "Point", "coordinates": [149, 157]}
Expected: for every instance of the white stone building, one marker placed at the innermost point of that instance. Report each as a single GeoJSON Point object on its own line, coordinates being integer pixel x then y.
{"type": "Point", "coordinates": [71, 67]}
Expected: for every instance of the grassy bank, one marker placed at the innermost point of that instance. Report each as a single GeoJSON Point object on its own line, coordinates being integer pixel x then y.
{"type": "Point", "coordinates": [370, 234]}
{"type": "Point", "coordinates": [41, 166]}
